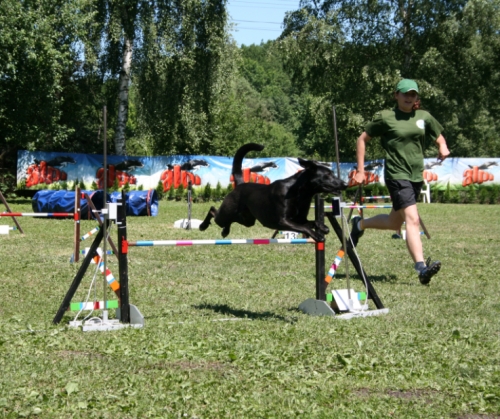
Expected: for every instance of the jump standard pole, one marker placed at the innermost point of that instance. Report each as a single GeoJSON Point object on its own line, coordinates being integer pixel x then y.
{"type": "Point", "coordinates": [372, 294]}
{"type": "Point", "coordinates": [121, 222]}
{"type": "Point", "coordinates": [321, 284]}
{"type": "Point", "coordinates": [78, 277]}
{"type": "Point", "coordinates": [77, 217]}
{"type": "Point", "coordinates": [9, 210]}
{"type": "Point", "coordinates": [99, 220]}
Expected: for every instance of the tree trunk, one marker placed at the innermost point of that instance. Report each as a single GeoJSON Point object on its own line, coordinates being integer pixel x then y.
{"type": "Point", "coordinates": [405, 9]}
{"type": "Point", "coordinates": [124, 82]}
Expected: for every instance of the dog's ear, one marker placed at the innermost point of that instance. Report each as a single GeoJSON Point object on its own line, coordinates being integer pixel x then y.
{"type": "Point", "coordinates": [306, 164]}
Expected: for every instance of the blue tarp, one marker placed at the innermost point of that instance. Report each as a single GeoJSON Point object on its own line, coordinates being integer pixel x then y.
{"type": "Point", "coordinates": [64, 201]}
{"type": "Point", "coordinates": [138, 203]}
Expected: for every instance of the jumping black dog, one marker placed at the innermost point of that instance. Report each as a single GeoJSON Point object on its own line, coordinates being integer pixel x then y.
{"type": "Point", "coordinates": [282, 205]}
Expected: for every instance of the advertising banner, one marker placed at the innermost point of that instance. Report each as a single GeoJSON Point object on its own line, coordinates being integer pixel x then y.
{"type": "Point", "coordinates": [49, 170]}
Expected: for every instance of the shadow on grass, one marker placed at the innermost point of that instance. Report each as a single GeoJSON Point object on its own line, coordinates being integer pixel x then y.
{"type": "Point", "coordinates": [19, 201]}
{"type": "Point", "coordinates": [245, 314]}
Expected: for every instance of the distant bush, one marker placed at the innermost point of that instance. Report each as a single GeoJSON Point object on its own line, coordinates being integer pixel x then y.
{"type": "Point", "coordinates": [207, 192]}
{"type": "Point", "coordinates": [159, 190]}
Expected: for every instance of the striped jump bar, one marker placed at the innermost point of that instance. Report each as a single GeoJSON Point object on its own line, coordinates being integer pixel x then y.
{"type": "Point", "coordinates": [37, 214]}
{"type": "Point", "coordinates": [344, 205]}
{"type": "Point", "coordinates": [219, 242]}
{"type": "Point", "coordinates": [87, 249]}
{"type": "Point", "coordinates": [366, 206]}
{"type": "Point", "coordinates": [87, 235]}
{"type": "Point", "coordinates": [112, 282]}
{"type": "Point", "coordinates": [95, 305]}
{"type": "Point", "coordinates": [366, 198]}
{"type": "Point", "coordinates": [335, 265]}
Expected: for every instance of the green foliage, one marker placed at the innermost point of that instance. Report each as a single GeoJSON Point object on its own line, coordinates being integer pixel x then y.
{"type": "Point", "coordinates": [63, 185]}
{"type": "Point", "coordinates": [435, 195]}
{"type": "Point", "coordinates": [179, 192]}
{"type": "Point", "coordinates": [7, 183]}
{"type": "Point", "coordinates": [484, 195]}
{"type": "Point", "coordinates": [217, 193]}
{"type": "Point", "coordinates": [447, 194]}
{"type": "Point", "coordinates": [450, 48]}
{"type": "Point", "coordinates": [171, 193]}
{"type": "Point", "coordinates": [207, 192]}
{"type": "Point", "coordinates": [385, 192]}
{"type": "Point", "coordinates": [495, 193]}
{"type": "Point", "coordinates": [159, 190]}
{"type": "Point", "coordinates": [94, 186]}
{"type": "Point", "coordinates": [194, 92]}
{"type": "Point", "coordinates": [194, 195]}
{"type": "Point", "coordinates": [115, 186]}
{"type": "Point", "coordinates": [455, 197]}
{"type": "Point", "coordinates": [471, 194]}
{"type": "Point", "coordinates": [34, 68]}
{"type": "Point", "coordinates": [184, 70]}
{"type": "Point", "coordinates": [126, 187]}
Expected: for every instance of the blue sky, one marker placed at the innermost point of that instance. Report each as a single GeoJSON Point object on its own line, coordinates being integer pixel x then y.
{"type": "Point", "coordinates": [258, 20]}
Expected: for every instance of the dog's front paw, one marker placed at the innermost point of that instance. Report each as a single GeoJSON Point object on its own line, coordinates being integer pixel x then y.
{"type": "Point", "coordinates": [323, 228]}
{"type": "Point", "coordinates": [225, 231]}
{"type": "Point", "coordinates": [203, 226]}
{"type": "Point", "coordinates": [317, 236]}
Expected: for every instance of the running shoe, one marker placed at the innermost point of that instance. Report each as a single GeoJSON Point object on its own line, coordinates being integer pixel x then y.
{"type": "Point", "coordinates": [356, 232]}
{"type": "Point", "coordinates": [429, 271]}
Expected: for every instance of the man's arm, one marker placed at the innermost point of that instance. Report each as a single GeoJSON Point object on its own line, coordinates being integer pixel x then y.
{"type": "Point", "coordinates": [442, 147]}
{"type": "Point", "coordinates": [359, 177]}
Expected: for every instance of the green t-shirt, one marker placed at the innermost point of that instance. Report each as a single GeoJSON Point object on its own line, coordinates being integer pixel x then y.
{"type": "Point", "coordinates": [403, 138]}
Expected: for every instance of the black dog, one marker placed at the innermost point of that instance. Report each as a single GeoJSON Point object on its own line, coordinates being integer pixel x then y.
{"type": "Point", "coordinates": [282, 205]}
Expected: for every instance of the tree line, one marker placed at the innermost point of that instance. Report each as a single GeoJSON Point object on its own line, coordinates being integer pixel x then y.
{"type": "Point", "coordinates": [174, 82]}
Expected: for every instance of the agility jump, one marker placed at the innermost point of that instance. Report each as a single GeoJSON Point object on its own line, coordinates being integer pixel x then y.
{"type": "Point", "coordinates": [317, 306]}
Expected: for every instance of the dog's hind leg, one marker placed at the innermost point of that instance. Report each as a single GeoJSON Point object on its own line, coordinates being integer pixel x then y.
{"type": "Point", "coordinates": [243, 218]}
{"type": "Point", "coordinates": [206, 222]}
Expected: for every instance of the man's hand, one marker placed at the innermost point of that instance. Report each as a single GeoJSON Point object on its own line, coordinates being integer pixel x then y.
{"type": "Point", "coordinates": [359, 178]}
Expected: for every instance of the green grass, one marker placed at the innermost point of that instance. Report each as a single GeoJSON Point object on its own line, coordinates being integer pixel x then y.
{"type": "Point", "coordinates": [435, 355]}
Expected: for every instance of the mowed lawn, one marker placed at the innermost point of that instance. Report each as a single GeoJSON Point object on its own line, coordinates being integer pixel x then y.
{"type": "Point", "coordinates": [224, 337]}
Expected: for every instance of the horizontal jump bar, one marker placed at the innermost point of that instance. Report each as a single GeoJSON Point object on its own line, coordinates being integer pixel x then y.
{"type": "Point", "coordinates": [366, 206]}
{"type": "Point", "coordinates": [375, 197]}
{"type": "Point", "coordinates": [361, 206]}
{"type": "Point", "coordinates": [219, 242]}
{"type": "Point", "coordinates": [36, 214]}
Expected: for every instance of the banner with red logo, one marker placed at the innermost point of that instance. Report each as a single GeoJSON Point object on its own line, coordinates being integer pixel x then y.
{"type": "Point", "coordinates": [50, 170]}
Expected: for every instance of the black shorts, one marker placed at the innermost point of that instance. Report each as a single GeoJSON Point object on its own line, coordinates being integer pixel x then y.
{"type": "Point", "coordinates": [403, 192]}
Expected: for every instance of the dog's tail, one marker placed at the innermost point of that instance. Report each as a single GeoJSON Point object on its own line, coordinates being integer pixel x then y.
{"type": "Point", "coordinates": [238, 160]}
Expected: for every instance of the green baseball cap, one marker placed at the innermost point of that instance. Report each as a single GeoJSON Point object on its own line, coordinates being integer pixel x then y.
{"type": "Point", "coordinates": [407, 85]}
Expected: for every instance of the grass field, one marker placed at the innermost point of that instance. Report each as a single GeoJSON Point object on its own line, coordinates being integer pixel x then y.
{"type": "Point", "coordinates": [224, 337]}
